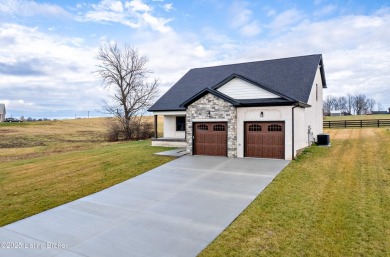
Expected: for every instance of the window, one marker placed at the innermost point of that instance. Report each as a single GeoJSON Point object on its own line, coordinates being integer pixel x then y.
{"type": "Point", "coordinates": [219, 127]}
{"type": "Point", "coordinates": [274, 127]}
{"type": "Point", "coordinates": [254, 127]}
{"type": "Point", "coordinates": [202, 127]}
{"type": "Point", "coordinates": [180, 123]}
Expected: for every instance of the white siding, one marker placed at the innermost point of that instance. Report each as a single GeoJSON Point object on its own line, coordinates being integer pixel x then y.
{"type": "Point", "coordinates": [313, 115]}
{"type": "Point", "coordinates": [300, 129]}
{"type": "Point", "coordinates": [170, 127]}
{"type": "Point", "coordinates": [2, 112]}
{"type": "Point", "coordinates": [240, 89]}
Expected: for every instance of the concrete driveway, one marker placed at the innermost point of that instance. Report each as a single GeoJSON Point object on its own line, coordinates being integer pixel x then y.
{"type": "Point", "coordinates": [176, 209]}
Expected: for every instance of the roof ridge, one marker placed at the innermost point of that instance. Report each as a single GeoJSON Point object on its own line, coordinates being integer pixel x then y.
{"type": "Point", "coordinates": [276, 59]}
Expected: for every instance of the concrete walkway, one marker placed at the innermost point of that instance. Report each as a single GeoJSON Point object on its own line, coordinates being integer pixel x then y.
{"type": "Point", "coordinates": [178, 152]}
{"type": "Point", "coordinates": [174, 210]}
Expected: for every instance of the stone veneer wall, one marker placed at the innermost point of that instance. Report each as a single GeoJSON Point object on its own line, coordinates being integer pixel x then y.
{"type": "Point", "coordinates": [220, 110]}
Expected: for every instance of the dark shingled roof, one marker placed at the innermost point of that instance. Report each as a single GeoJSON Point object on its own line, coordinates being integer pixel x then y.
{"type": "Point", "coordinates": [290, 77]}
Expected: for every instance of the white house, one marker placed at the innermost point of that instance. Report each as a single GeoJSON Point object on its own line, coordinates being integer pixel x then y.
{"type": "Point", "coordinates": [264, 109]}
{"type": "Point", "coordinates": [2, 112]}
{"type": "Point", "coordinates": [335, 113]}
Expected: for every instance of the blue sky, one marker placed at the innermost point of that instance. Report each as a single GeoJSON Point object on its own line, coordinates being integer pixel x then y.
{"type": "Point", "coordinates": [48, 48]}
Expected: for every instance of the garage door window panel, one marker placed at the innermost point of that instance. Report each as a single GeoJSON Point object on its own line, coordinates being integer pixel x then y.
{"type": "Point", "coordinates": [202, 127]}
{"type": "Point", "coordinates": [254, 127]}
{"type": "Point", "coordinates": [219, 127]}
{"type": "Point", "coordinates": [274, 127]}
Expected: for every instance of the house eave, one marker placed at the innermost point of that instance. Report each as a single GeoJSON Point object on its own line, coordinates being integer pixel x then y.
{"type": "Point", "coordinates": [298, 104]}
{"type": "Point", "coordinates": [167, 110]}
{"type": "Point", "coordinates": [209, 91]}
{"type": "Point", "coordinates": [322, 71]}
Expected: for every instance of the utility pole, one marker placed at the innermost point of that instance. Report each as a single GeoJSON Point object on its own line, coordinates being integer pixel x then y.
{"type": "Point", "coordinates": [88, 114]}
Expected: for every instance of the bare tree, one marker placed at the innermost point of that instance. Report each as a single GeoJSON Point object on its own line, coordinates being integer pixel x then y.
{"type": "Point", "coordinates": [359, 103]}
{"type": "Point", "coordinates": [379, 106]}
{"type": "Point", "coordinates": [124, 73]}
{"type": "Point", "coordinates": [349, 103]}
{"type": "Point", "coordinates": [342, 104]}
{"type": "Point", "coordinates": [329, 104]}
{"type": "Point", "coordinates": [370, 104]}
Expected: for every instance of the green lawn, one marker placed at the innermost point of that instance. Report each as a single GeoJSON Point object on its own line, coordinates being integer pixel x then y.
{"type": "Point", "coordinates": [329, 202]}
{"type": "Point", "coordinates": [30, 186]}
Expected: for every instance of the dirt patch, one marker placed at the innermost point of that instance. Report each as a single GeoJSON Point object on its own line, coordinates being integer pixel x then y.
{"type": "Point", "coordinates": [366, 133]}
{"type": "Point", "coordinates": [342, 134]}
{"type": "Point", "coordinates": [20, 142]}
{"type": "Point", "coordinates": [7, 131]}
{"type": "Point", "coordinates": [345, 134]}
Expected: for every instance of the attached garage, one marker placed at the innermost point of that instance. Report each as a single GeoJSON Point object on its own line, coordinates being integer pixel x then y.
{"type": "Point", "coordinates": [263, 109]}
{"type": "Point", "coordinates": [264, 140]}
{"type": "Point", "coordinates": [210, 138]}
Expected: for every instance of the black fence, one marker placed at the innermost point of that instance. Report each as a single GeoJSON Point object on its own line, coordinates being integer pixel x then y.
{"type": "Point", "coordinates": [356, 123]}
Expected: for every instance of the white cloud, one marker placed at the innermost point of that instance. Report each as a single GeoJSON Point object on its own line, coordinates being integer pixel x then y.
{"type": "Point", "coordinates": [31, 8]}
{"type": "Point", "coordinates": [138, 5]}
{"type": "Point", "coordinates": [239, 14]}
{"type": "Point", "coordinates": [44, 71]}
{"type": "Point", "coordinates": [285, 19]}
{"type": "Point", "coordinates": [135, 14]}
{"type": "Point", "coordinates": [326, 10]}
{"type": "Point", "coordinates": [168, 7]}
{"type": "Point", "coordinates": [241, 19]}
{"type": "Point", "coordinates": [355, 49]}
{"type": "Point", "coordinates": [55, 72]}
{"type": "Point", "coordinates": [271, 13]}
{"type": "Point", "coordinates": [158, 24]}
{"type": "Point", "coordinates": [251, 29]}
{"type": "Point", "coordinates": [356, 57]}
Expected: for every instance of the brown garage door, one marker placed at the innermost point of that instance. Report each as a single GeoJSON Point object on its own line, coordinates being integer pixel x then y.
{"type": "Point", "coordinates": [264, 139]}
{"type": "Point", "coordinates": [210, 138]}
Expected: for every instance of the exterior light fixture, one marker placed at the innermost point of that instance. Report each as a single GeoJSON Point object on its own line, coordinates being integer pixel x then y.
{"type": "Point", "coordinates": [261, 114]}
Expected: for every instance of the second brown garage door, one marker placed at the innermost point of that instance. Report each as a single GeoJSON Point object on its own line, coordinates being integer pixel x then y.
{"type": "Point", "coordinates": [210, 138]}
{"type": "Point", "coordinates": [264, 139]}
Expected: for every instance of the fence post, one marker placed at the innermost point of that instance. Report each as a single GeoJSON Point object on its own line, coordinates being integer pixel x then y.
{"type": "Point", "coordinates": [345, 124]}
{"type": "Point", "coordinates": [378, 123]}
{"type": "Point", "coordinates": [361, 123]}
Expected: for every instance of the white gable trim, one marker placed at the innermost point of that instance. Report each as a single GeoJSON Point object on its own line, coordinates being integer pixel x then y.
{"type": "Point", "coordinates": [241, 89]}
{"type": "Point", "coordinates": [167, 113]}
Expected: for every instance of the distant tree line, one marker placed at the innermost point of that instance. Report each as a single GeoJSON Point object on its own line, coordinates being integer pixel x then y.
{"type": "Point", "coordinates": [351, 104]}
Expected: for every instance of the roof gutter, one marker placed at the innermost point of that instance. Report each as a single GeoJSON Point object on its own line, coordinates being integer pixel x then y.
{"type": "Point", "coordinates": [293, 129]}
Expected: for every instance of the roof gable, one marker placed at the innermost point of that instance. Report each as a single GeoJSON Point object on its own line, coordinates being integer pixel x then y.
{"type": "Point", "coordinates": [238, 87]}
{"type": "Point", "coordinates": [290, 78]}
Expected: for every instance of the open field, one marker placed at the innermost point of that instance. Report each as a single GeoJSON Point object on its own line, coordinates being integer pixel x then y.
{"type": "Point", "coordinates": [359, 117]}
{"type": "Point", "coordinates": [47, 164]}
{"type": "Point", "coordinates": [35, 139]}
{"type": "Point", "coordinates": [329, 202]}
